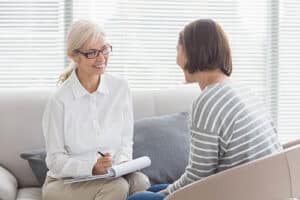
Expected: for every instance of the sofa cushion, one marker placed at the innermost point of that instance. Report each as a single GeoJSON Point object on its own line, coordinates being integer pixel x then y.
{"type": "Point", "coordinates": [165, 139]}
{"type": "Point", "coordinates": [36, 160]}
{"type": "Point", "coordinates": [29, 193]}
{"type": "Point", "coordinates": [8, 185]}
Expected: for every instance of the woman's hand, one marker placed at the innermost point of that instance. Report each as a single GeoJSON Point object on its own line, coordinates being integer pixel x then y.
{"type": "Point", "coordinates": [102, 165]}
{"type": "Point", "coordinates": [165, 192]}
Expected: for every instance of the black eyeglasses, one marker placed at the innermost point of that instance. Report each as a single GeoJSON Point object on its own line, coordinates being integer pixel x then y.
{"type": "Point", "coordinates": [93, 53]}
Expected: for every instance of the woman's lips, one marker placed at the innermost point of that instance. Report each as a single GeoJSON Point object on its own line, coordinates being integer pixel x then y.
{"type": "Point", "coordinates": [99, 65]}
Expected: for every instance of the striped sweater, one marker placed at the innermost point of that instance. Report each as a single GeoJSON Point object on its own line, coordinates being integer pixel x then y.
{"type": "Point", "coordinates": [229, 126]}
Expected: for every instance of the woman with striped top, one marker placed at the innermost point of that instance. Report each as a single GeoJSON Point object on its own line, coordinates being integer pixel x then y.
{"type": "Point", "coordinates": [229, 125]}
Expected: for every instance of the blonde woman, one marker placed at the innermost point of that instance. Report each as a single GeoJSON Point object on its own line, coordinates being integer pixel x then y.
{"type": "Point", "coordinates": [90, 112]}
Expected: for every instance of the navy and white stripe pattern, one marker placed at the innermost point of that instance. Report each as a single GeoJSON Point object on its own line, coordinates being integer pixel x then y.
{"type": "Point", "coordinates": [229, 126]}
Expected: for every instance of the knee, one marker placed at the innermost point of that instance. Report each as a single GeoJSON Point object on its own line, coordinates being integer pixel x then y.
{"type": "Point", "coordinates": [113, 189]}
{"type": "Point", "coordinates": [121, 186]}
{"type": "Point", "coordinates": [142, 180]}
{"type": "Point", "coordinates": [138, 182]}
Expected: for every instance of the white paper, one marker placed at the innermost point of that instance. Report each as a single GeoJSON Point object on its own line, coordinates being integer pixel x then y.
{"type": "Point", "coordinates": [116, 170]}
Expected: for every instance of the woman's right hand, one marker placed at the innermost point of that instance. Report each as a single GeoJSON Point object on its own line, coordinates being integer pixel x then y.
{"type": "Point", "coordinates": [102, 164]}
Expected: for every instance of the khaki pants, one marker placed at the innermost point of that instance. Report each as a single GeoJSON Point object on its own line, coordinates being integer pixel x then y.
{"type": "Point", "coordinates": [115, 189]}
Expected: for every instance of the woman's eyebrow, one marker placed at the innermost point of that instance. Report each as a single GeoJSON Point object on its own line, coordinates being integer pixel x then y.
{"type": "Point", "coordinates": [91, 49]}
{"type": "Point", "coordinates": [105, 45]}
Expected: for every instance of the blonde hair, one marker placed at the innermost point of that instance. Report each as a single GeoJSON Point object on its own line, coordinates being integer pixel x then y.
{"type": "Point", "coordinates": [79, 33]}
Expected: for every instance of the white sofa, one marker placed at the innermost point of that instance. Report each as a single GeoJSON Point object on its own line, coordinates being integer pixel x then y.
{"type": "Point", "coordinates": [20, 126]}
{"type": "Point", "coordinates": [276, 177]}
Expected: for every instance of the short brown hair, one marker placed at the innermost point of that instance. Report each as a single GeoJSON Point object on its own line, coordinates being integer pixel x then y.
{"type": "Point", "coordinates": [206, 47]}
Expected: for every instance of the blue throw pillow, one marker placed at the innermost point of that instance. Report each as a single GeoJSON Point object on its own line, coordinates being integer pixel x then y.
{"type": "Point", "coordinates": [165, 139]}
{"type": "Point", "coordinates": [36, 159]}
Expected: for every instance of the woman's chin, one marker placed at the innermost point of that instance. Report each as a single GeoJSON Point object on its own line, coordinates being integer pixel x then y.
{"type": "Point", "coordinates": [188, 79]}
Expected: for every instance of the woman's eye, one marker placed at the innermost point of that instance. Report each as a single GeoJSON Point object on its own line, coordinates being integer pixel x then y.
{"type": "Point", "coordinates": [105, 51]}
{"type": "Point", "coordinates": [92, 54]}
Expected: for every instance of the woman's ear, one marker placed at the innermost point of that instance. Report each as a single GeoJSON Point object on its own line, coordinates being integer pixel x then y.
{"type": "Point", "coordinates": [75, 57]}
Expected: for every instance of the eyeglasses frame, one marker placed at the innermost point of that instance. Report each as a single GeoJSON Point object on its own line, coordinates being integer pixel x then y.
{"type": "Point", "coordinates": [97, 50]}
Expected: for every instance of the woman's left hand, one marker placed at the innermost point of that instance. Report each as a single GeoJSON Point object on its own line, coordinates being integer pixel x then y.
{"type": "Point", "coordinates": [165, 192]}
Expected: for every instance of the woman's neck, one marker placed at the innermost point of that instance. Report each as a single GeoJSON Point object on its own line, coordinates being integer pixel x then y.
{"type": "Point", "coordinates": [90, 83]}
{"type": "Point", "coordinates": [206, 78]}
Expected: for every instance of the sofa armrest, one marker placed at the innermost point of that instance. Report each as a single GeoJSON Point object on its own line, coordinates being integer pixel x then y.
{"type": "Point", "coordinates": [291, 144]}
{"type": "Point", "coordinates": [183, 194]}
{"type": "Point", "coordinates": [8, 185]}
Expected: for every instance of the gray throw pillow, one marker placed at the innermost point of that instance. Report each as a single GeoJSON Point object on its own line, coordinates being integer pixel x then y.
{"type": "Point", "coordinates": [36, 159]}
{"type": "Point", "coordinates": [165, 139]}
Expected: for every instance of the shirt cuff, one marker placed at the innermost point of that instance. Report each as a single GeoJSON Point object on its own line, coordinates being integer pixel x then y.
{"type": "Point", "coordinates": [171, 188]}
{"type": "Point", "coordinates": [121, 158]}
{"type": "Point", "coordinates": [85, 168]}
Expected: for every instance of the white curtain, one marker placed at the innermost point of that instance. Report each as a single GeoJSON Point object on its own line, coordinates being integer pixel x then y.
{"type": "Point", "coordinates": [288, 75]}
{"type": "Point", "coordinates": [31, 42]}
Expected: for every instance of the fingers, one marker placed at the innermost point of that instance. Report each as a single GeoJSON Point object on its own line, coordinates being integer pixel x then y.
{"type": "Point", "coordinates": [103, 163]}
{"type": "Point", "coordinates": [106, 158]}
{"type": "Point", "coordinates": [165, 192]}
{"type": "Point", "coordinates": [107, 155]}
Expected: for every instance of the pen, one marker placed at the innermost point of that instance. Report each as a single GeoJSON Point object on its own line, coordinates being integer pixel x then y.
{"type": "Point", "coordinates": [102, 154]}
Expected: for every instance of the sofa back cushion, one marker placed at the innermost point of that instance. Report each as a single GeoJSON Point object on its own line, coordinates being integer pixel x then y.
{"type": "Point", "coordinates": [165, 139]}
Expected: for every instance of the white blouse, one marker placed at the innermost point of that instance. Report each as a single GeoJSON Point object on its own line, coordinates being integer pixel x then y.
{"type": "Point", "coordinates": [77, 124]}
